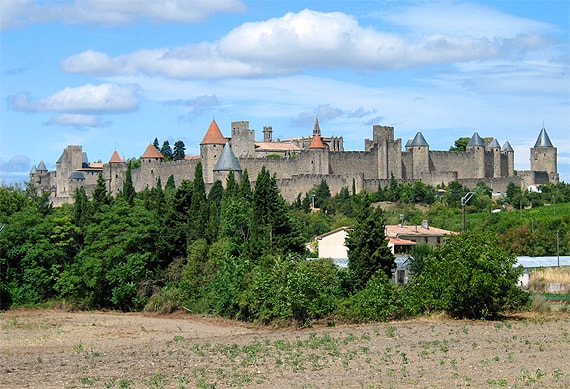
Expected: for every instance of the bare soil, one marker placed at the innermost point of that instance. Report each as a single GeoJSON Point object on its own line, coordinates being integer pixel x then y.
{"type": "Point", "coordinates": [60, 349]}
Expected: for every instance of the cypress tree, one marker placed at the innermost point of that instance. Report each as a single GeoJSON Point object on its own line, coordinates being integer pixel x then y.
{"type": "Point", "coordinates": [128, 188]}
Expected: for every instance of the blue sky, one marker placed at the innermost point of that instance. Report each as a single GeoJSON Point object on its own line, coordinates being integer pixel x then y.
{"type": "Point", "coordinates": [114, 75]}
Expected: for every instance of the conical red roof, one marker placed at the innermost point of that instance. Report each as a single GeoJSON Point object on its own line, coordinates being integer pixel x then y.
{"type": "Point", "coordinates": [152, 153]}
{"type": "Point", "coordinates": [213, 135]}
{"type": "Point", "coordinates": [115, 157]}
{"type": "Point", "coordinates": [317, 142]}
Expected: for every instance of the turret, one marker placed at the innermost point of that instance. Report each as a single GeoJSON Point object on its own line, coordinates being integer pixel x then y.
{"type": "Point", "coordinates": [495, 148]}
{"type": "Point", "coordinates": [543, 156]}
{"type": "Point", "coordinates": [227, 163]}
{"type": "Point", "coordinates": [318, 152]}
{"type": "Point", "coordinates": [211, 148]}
{"type": "Point", "coordinates": [509, 153]}
{"type": "Point", "coordinates": [476, 146]}
{"type": "Point", "coordinates": [114, 172]}
{"type": "Point", "coordinates": [420, 156]}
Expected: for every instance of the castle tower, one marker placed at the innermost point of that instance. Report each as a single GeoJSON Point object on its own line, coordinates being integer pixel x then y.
{"type": "Point", "coordinates": [114, 172]}
{"type": "Point", "coordinates": [495, 148]}
{"type": "Point", "coordinates": [71, 160]}
{"type": "Point", "coordinates": [243, 139]}
{"type": "Point", "coordinates": [227, 163]}
{"type": "Point", "coordinates": [388, 151]}
{"type": "Point", "coordinates": [268, 134]}
{"type": "Point", "coordinates": [476, 146]}
{"type": "Point", "coordinates": [211, 148]}
{"type": "Point", "coordinates": [509, 154]}
{"type": "Point", "coordinates": [318, 152]}
{"type": "Point", "coordinates": [543, 156]}
{"type": "Point", "coordinates": [316, 128]}
{"type": "Point", "coordinates": [420, 156]}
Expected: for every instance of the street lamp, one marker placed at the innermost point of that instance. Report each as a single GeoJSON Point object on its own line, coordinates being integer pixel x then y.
{"type": "Point", "coordinates": [313, 201]}
{"type": "Point", "coordinates": [464, 200]}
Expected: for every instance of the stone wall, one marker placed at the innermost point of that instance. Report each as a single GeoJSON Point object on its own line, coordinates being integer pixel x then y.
{"type": "Point", "coordinates": [351, 162]}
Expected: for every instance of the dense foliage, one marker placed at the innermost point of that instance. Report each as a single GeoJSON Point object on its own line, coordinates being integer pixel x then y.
{"type": "Point", "coordinates": [469, 276]}
{"type": "Point", "coordinates": [238, 250]}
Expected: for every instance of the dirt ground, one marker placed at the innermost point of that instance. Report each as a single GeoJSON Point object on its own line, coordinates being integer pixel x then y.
{"type": "Point", "coordinates": [60, 349]}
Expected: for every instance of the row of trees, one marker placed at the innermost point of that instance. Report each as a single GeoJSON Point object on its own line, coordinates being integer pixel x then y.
{"type": "Point", "coordinates": [236, 251]}
{"type": "Point", "coordinates": [178, 153]}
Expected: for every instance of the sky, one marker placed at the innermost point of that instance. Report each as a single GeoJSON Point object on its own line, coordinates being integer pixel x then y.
{"type": "Point", "coordinates": [114, 75]}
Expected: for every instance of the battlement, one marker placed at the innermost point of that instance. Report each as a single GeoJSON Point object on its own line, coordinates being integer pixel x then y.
{"type": "Point", "coordinates": [298, 168]}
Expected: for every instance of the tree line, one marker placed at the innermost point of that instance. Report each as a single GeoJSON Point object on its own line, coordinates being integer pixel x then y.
{"type": "Point", "coordinates": [239, 250]}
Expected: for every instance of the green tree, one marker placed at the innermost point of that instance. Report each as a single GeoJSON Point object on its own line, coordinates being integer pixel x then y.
{"type": "Point", "coordinates": [273, 224]}
{"type": "Point", "coordinates": [469, 277]}
{"type": "Point", "coordinates": [166, 150]}
{"type": "Point", "coordinates": [100, 195]}
{"type": "Point", "coordinates": [179, 151]}
{"type": "Point", "coordinates": [460, 144]}
{"type": "Point", "coordinates": [82, 211]}
{"type": "Point", "coordinates": [368, 250]}
{"type": "Point", "coordinates": [156, 144]}
{"type": "Point", "coordinates": [128, 192]}
{"type": "Point", "coordinates": [114, 269]}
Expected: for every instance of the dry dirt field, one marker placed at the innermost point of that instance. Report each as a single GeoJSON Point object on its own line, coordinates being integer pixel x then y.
{"type": "Point", "coordinates": [60, 349]}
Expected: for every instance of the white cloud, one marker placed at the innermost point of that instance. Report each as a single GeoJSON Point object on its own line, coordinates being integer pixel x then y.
{"type": "Point", "coordinates": [16, 164]}
{"type": "Point", "coordinates": [460, 19]}
{"type": "Point", "coordinates": [17, 13]}
{"type": "Point", "coordinates": [311, 39]}
{"type": "Point", "coordinates": [87, 98]}
{"type": "Point", "coordinates": [80, 120]}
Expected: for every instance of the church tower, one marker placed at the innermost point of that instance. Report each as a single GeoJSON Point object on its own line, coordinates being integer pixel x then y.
{"type": "Point", "coordinates": [318, 152]}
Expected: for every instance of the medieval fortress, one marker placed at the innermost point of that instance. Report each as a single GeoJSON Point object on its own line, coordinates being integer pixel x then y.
{"type": "Point", "coordinates": [301, 163]}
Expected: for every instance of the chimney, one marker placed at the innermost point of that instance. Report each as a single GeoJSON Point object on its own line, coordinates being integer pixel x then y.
{"type": "Point", "coordinates": [425, 224]}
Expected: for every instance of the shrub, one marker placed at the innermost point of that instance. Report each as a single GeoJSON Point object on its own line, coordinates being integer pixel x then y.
{"type": "Point", "coordinates": [376, 302]}
{"type": "Point", "coordinates": [292, 288]}
{"type": "Point", "coordinates": [468, 277]}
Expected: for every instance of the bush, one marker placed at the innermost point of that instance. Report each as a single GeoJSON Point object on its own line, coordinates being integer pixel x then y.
{"type": "Point", "coordinates": [468, 277]}
{"type": "Point", "coordinates": [376, 302]}
{"type": "Point", "coordinates": [292, 288]}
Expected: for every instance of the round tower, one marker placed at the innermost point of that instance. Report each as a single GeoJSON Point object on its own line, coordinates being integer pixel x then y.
{"type": "Point", "coordinates": [319, 152]}
{"type": "Point", "coordinates": [420, 156]}
{"type": "Point", "coordinates": [211, 148]}
{"type": "Point", "coordinates": [543, 156]}
{"type": "Point", "coordinates": [476, 146]}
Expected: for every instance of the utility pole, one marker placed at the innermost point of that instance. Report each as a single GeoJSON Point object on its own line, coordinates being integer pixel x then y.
{"type": "Point", "coordinates": [464, 201]}
{"type": "Point", "coordinates": [558, 246]}
{"type": "Point", "coordinates": [1, 228]}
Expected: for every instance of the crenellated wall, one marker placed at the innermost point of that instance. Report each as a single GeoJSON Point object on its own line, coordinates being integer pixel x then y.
{"type": "Point", "coordinates": [298, 173]}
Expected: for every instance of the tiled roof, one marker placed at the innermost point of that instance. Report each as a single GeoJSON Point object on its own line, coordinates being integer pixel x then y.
{"type": "Point", "coordinates": [276, 146]}
{"type": "Point", "coordinates": [401, 242]}
{"type": "Point", "coordinates": [152, 153]}
{"type": "Point", "coordinates": [116, 157]}
{"type": "Point", "coordinates": [332, 232]}
{"type": "Point", "coordinates": [397, 230]}
{"type": "Point", "coordinates": [317, 142]}
{"type": "Point", "coordinates": [213, 135]}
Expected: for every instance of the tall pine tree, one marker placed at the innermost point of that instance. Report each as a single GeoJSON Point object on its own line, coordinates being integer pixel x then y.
{"type": "Point", "coordinates": [179, 151]}
{"type": "Point", "coordinates": [368, 250]}
{"type": "Point", "coordinates": [128, 188]}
